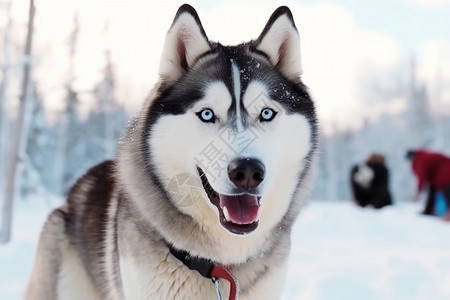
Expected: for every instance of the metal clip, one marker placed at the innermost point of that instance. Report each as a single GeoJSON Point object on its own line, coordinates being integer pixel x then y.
{"type": "Point", "coordinates": [216, 285]}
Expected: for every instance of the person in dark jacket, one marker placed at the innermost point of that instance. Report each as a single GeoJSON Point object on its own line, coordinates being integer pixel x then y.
{"type": "Point", "coordinates": [431, 169]}
{"type": "Point", "coordinates": [370, 182]}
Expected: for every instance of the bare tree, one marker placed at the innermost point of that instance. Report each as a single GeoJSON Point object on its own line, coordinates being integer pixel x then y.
{"type": "Point", "coordinates": [3, 91]}
{"type": "Point", "coordinates": [18, 134]}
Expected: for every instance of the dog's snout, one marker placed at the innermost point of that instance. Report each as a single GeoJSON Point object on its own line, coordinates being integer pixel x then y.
{"type": "Point", "coordinates": [246, 173]}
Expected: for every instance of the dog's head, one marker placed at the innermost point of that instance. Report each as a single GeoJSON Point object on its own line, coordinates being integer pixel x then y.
{"type": "Point", "coordinates": [230, 130]}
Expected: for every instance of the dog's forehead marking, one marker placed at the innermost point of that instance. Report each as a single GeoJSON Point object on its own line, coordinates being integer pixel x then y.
{"type": "Point", "coordinates": [236, 75]}
{"type": "Point", "coordinates": [216, 96]}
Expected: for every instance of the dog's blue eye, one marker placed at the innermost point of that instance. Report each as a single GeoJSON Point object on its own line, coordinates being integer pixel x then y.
{"type": "Point", "coordinates": [207, 115]}
{"type": "Point", "coordinates": [267, 114]}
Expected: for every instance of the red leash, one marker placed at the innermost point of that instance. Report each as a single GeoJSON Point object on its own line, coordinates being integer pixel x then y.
{"type": "Point", "coordinates": [220, 272]}
{"type": "Point", "coordinates": [207, 269]}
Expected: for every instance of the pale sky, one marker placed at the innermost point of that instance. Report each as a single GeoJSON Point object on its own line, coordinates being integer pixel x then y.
{"type": "Point", "coordinates": [350, 48]}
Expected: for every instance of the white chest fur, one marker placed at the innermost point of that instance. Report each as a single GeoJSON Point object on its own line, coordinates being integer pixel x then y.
{"type": "Point", "coordinates": [163, 279]}
{"type": "Point", "coordinates": [169, 279]}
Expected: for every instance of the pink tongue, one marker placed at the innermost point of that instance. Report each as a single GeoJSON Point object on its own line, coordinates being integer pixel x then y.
{"type": "Point", "coordinates": [242, 209]}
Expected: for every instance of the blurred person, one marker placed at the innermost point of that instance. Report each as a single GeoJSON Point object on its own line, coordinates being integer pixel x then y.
{"type": "Point", "coordinates": [370, 182]}
{"type": "Point", "coordinates": [432, 170]}
{"type": "Point", "coordinates": [430, 202]}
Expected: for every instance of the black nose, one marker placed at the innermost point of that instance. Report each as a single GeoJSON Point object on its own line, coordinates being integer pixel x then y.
{"type": "Point", "coordinates": [246, 173]}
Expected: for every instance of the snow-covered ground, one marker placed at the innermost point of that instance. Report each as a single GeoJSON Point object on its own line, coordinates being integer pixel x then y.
{"type": "Point", "coordinates": [344, 252]}
{"type": "Point", "coordinates": [17, 257]}
{"type": "Point", "coordinates": [339, 252]}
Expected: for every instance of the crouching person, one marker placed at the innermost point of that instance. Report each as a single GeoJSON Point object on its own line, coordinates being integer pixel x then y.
{"type": "Point", "coordinates": [432, 170]}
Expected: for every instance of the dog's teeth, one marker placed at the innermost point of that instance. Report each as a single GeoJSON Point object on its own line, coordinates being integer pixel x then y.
{"type": "Point", "coordinates": [226, 214]}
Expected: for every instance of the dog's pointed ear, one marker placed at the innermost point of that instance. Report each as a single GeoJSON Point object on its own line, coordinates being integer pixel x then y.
{"type": "Point", "coordinates": [280, 42]}
{"type": "Point", "coordinates": [185, 42]}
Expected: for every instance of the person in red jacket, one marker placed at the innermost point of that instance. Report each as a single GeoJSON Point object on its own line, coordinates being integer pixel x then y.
{"type": "Point", "coordinates": [432, 169]}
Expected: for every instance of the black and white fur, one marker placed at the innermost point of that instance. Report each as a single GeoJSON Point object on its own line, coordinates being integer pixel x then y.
{"type": "Point", "coordinates": [110, 240]}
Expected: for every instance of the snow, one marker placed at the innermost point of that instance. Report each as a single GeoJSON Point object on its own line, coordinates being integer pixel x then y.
{"type": "Point", "coordinates": [17, 257]}
{"type": "Point", "coordinates": [339, 251]}
{"type": "Point", "coordinates": [344, 252]}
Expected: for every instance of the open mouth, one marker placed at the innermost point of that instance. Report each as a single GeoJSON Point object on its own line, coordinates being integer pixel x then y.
{"type": "Point", "coordinates": [238, 214]}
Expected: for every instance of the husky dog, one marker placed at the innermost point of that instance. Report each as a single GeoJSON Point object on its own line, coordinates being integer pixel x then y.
{"type": "Point", "coordinates": [215, 168]}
